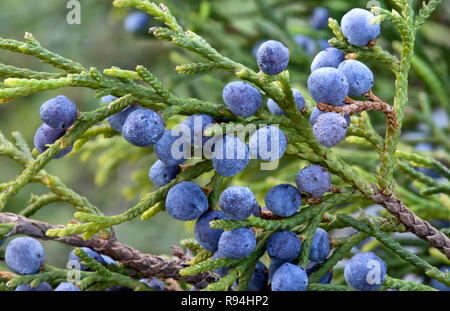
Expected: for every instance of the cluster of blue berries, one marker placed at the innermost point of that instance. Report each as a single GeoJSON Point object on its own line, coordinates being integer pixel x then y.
{"type": "Point", "coordinates": [333, 78]}
{"type": "Point", "coordinates": [283, 247]}
{"type": "Point", "coordinates": [58, 114]}
{"type": "Point", "coordinates": [25, 255]}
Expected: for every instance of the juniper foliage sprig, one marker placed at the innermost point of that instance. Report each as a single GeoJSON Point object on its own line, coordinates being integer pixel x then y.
{"type": "Point", "coordinates": [142, 86]}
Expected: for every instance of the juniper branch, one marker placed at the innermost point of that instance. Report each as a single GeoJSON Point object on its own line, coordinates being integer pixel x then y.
{"type": "Point", "coordinates": [146, 264]}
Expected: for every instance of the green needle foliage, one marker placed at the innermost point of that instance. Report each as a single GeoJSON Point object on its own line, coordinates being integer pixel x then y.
{"type": "Point", "coordinates": [357, 183]}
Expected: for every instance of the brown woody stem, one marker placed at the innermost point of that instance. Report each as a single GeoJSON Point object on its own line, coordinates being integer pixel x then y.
{"type": "Point", "coordinates": [412, 222]}
{"type": "Point", "coordinates": [148, 265]}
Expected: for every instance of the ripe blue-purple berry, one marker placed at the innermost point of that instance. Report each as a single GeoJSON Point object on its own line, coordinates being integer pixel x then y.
{"type": "Point", "coordinates": [276, 110]}
{"type": "Point", "coordinates": [186, 201]}
{"type": "Point", "coordinates": [59, 112]}
{"type": "Point", "coordinates": [316, 112]}
{"type": "Point", "coordinates": [117, 120]}
{"type": "Point", "coordinates": [357, 28]}
{"type": "Point", "coordinates": [143, 128]}
{"type": "Point", "coordinates": [327, 85]}
{"type": "Point", "coordinates": [272, 57]}
{"type": "Point", "coordinates": [284, 245]}
{"type": "Point", "coordinates": [319, 18]}
{"type": "Point", "coordinates": [314, 180]}
{"type": "Point", "coordinates": [242, 98]}
{"type": "Point", "coordinates": [161, 174]}
{"type": "Point", "coordinates": [93, 254]}
{"type": "Point", "coordinates": [306, 44]}
{"type": "Point", "coordinates": [330, 57]}
{"type": "Point", "coordinates": [283, 200]}
{"type": "Point", "coordinates": [197, 124]}
{"type": "Point", "coordinates": [66, 287]}
{"type": "Point", "coordinates": [230, 156]}
{"type": "Point", "coordinates": [46, 135]}
{"type": "Point", "coordinates": [237, 243]}
{"type": "Point", "coordinates": [207, 237]}
{"type": "Point", "coordinates": [365, 272]}
{"type": "Point", "coordinates": [24, 255]}
{"type": "Point", "coordinates": [268, 143]}
{"type": "Point", "coordinates": [320, 246]}
{"type": "Point", "coordinates": [289, 277]}
{"type": "Point", "coordinates": [330, 129]}
{"type": "Point", "coordinates": [169, 148]}
{"type": "Point", "coordinates": [43, 287]}
{"type": "Point", "coordinates": [237, 202]}
{"type": "Point", "coordinates": [137, 21]}
{"type": "Point", "coordinates": [359, 77]}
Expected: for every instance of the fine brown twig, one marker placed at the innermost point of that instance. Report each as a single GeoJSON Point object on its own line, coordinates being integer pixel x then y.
{"type": "Point", "coordinates": [358, 106]}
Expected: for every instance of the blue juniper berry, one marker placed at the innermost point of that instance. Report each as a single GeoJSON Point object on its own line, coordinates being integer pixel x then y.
{"type": "Point", "coordinates": [59, 112]}
{"type": "Point", "coordinates": [161, 174]}
{"type": "Point", "coordinates": [314, 180]}
{"type": "Point", "coordinates": [207, 237]}
{"type": "Point", "coordinates": [272, 57]}
{"type": "Point", "coordinates": [268, 143]}
{"type": "Point", "coordinates": [24, 255]}
{"type": "Point", "coordinates": [186, 201]}
{"type": "Point", "coordinates": [242, 98]}
{"type": "Point", "coordinates": [289, 277]}
{"type": "Point", "coordinates": [230, 156]}
{"type": "Point", "coordinates": [143, 127]}
{"type": "Point", "coordinates": [237, 202]}
{"type": "Point", "coordinates": [283, 200]}
{"type": "Point", "coordinates": [237, 243]}
{"type": "Point", "coordinates": [330, 129]}
{"type": "Point", "coordinates": [357, 28]}
{"type": "Point", "coordinates": [327, 85]}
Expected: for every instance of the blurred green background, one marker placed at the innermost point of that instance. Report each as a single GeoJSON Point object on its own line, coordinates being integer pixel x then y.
{"type": "Point", "coordinates": [233, 27]}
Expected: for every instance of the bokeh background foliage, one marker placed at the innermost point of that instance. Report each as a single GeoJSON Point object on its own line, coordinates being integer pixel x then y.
{"type": "Point", "coordinates": [231, 26]}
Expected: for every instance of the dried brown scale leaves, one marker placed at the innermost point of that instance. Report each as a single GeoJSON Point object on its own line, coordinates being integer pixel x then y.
{"type": "Point", "coordinates": [146, 264]}
{"type": "Point", "coordinates": [412, 222]}
{"type": "Point", "coordinates": [357, 106]}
